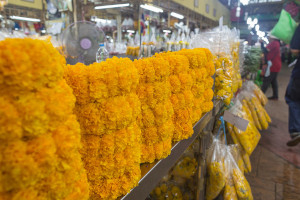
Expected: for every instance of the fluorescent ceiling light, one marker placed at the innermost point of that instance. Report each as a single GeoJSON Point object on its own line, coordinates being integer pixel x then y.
{"type": "Point", "coordinates": [130, 31]}
{"type": "Point", "coordinates": [112, 6]}
{"type": "Point", "coordinates": [179, 16]}
{"type": "Point", "coordinates": [166, 31]}
{"type": "Point", "coordinates": [152, 8]}
{"type": "Point", "coordinates": [25, 19]}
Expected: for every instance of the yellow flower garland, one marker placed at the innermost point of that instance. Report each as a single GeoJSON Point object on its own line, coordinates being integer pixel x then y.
{"type": "Point", "coordinates": [107, 110]}
{"type": "Point", "coordinates": [39, 135]}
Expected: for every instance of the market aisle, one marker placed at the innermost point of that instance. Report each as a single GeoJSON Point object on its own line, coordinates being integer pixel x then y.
{"type": "Point", "coordinates": [275, 167]}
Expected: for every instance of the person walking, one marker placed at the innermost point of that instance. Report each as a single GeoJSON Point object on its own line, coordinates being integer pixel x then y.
{"type": "Point", "coordinates": [292, 95]}
{"type": "Point", "coordinates": [274, 65]}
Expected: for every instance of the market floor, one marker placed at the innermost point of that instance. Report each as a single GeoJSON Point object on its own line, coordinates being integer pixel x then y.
{"type": "Point", "coordinates": [275, 167]}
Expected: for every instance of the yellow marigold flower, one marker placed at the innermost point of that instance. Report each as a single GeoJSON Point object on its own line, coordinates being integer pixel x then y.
{"type": "Point", "coordinates": [186, 81]}
{"type": "Point", "coordinates": [175, 84]}
{"type": "Point", "coordinates": [10, 122]}
{"type": "Point", "coordinates": [207, 106]}
{"type": "Point", "coordinates": [208, 95]}
{"type": "Point", "coordinates": [76, 76]}
{"type": "Point", "coordinates": [198, 89]}
{"type": "Point", "coordinates": [28, 64]}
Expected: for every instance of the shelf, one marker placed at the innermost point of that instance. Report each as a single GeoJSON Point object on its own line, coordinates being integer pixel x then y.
{"type": "Point", "coordinates": [161, 168]}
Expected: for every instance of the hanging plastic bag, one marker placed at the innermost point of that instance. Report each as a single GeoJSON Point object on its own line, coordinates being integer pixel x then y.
{"type": "Point", "coordinates": [251, 86]}
{"type": "Point", "coordinates": [229, 190]}
{"type": "Point", "coordinates": [215, 168]}
{"type": "Point", "coordinates": [285, 27]}
{"type": "Point", "coordinates": [236, 151]}
{"type": "Point", "coordinates": [241, 184]}
{"type": "Point", "coordinates": [248, 138]}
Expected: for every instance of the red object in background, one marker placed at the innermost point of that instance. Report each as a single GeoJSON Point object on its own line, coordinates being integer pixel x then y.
{"type": "Point", "coordinates": [292, 8]}
{"type": "Point", "coordinates": [233, 16]}
{"type": "Point", "coordinates": [37, 27]}
{"type": "Point", "coordinates": [274, 55]}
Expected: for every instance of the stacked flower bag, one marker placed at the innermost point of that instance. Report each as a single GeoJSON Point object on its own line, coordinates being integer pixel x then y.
{"type": "Point", "coordinates": [107, 108]}
{"type": "Point", "coordinates": [39, 135]}
{"type": "Point", "coordinates": [155, 120]}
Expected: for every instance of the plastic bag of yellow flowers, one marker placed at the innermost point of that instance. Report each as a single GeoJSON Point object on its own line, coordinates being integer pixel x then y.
{"type": "Point", "coordinates": [167, 191]}
{"type": "Point", "coordinates": [248, 138]}
{"type": "Point", "coordinates": [224, 78]}
{"type": "Point", "coordinates": [234, 176]}
{"type": "Point", "coordinates": [258, 112]}
{"type": "Point", "coordinates": [215, 168]}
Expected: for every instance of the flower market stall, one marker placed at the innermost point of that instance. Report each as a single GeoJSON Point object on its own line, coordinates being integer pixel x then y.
{"type": "Point", "coordinates": [123, 129]}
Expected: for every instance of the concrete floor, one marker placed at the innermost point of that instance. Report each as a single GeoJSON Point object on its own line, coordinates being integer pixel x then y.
{"type": "Point", "coordinates": [275, 167]}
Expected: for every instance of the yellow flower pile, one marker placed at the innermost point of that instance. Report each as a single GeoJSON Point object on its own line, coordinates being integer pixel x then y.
{"type": "Point", "coordinates": [39, 135]}
{"type": "Point", "coordinates": [224, 78]}
{"type": "Point", "coordinates": [107, 108]}
{"type": "Point", "coordinates": [155, 120]}
{"type": "Point", "coordinates": [133, 51]}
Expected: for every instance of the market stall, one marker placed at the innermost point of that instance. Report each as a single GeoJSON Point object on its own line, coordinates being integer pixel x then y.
{"type": "Point", "coordinates": [112, 130]}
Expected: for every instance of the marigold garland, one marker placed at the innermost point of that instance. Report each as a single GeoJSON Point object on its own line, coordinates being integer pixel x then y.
{"type": "Point", "coordinates": [154, 91]}
{"type": "Point", "coordinates": [107, 111]}
{"type": "Point", "coordinates": [39, 135]}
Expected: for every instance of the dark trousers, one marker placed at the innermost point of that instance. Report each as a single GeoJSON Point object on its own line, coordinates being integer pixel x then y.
{"type": "Point", "coordinates": [272, 79]}
{"type": "Point", "coordinates": [292, 98]}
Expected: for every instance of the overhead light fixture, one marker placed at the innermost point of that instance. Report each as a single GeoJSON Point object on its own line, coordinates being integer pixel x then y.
{"type": "Point", "coordinates": [167, 31]}
{"type": "Point", "coordinates": [112, 6]}
{"type": "Point", "coordinates": [25, 19]}
{"type": "Point", "coordinates": [152, 8]}
{"type": "Point", "coordinates": [179, 16]}
{"type": "Point", "coordinates": [130, 31]}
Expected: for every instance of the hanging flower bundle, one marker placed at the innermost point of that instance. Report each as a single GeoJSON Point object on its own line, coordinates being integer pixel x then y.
{"type": "Point", "coordinates": [155, 121]}
{"type": "Point", "coordinates": [39, 135]}
{"type": "Point", "coordinates": [237, 79]}
{"type": "Point", "coordinates": [107, 108]}
{"type": "Point", "coordinates": [224, 78]}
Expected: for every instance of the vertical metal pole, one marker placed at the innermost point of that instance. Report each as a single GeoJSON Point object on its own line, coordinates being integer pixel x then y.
{"type": "Point", "coordinates": [119, 31]}
{"type": "Point", "coordinates": [75, 10]}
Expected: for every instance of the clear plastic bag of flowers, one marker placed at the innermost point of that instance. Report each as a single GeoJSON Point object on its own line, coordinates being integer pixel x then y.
{"type": "Point", "coordinates": [167, 190]}
{"type": "Point", "coordinates": [248, 138]}
{"type": "Point", "coordinates": [252, 87]}
{"type": "Point", "coordinates": [229, 189]}
{"type": "Point", "coordinates": [258, 111]}
{"type": "Point", "coordinates": [241, 184]}
{"type": "Point", "coordinates": [215, 169]}
{"type": "Point", "coordinates": [186, 167]}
